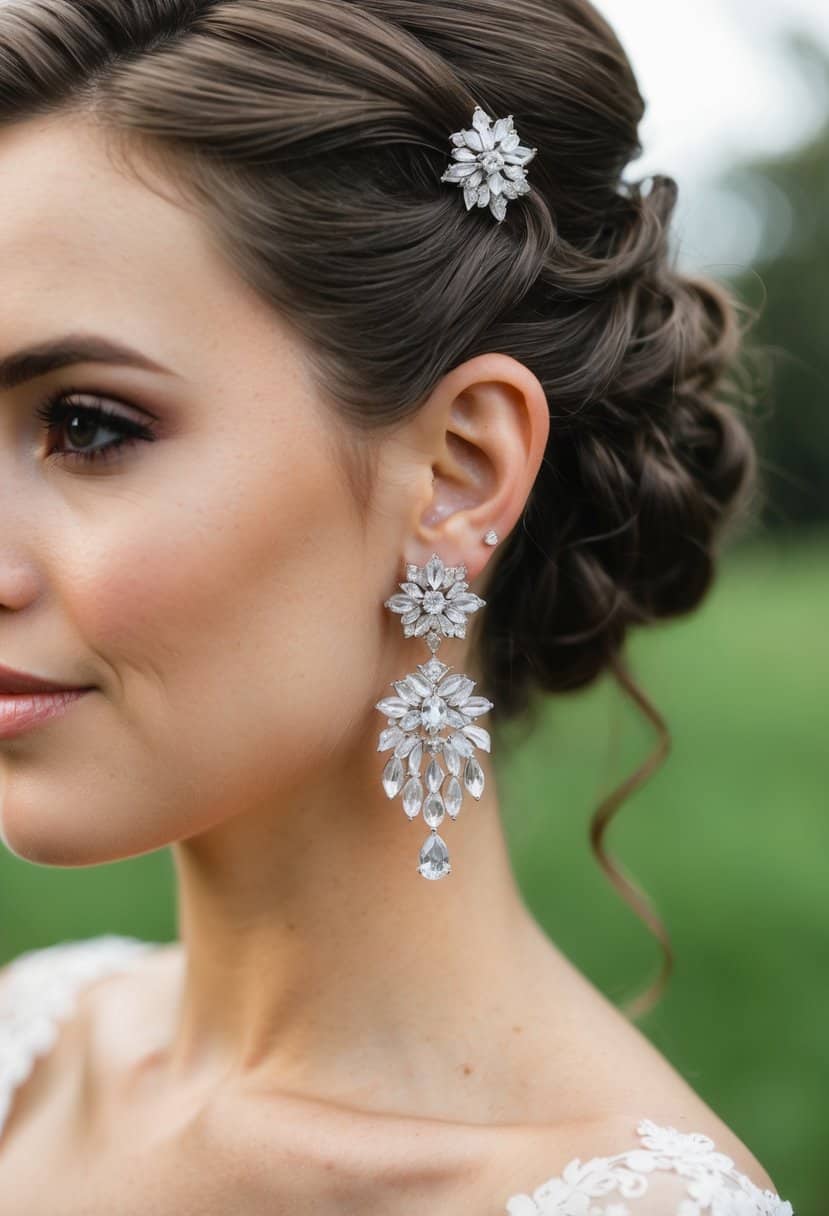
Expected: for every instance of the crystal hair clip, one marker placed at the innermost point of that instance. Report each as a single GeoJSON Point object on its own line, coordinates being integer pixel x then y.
{"type": "Point", "coordinates": [490, 163]}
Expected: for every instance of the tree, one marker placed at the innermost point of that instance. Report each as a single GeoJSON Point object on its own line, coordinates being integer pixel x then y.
{"type": "Point", "coordinates": [789, 288]}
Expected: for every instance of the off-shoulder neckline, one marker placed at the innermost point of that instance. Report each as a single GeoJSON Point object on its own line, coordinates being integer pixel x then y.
{"type": "Point", "coordinates": [710, 1176]}
{"type": "Point", "coordinates": [43, 985]}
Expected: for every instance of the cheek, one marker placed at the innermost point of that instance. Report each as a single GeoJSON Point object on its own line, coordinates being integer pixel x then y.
{"type": "Point", "coordinates": [236, 638]}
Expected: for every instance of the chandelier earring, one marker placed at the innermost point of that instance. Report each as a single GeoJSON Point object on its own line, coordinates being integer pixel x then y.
{"type": "Point", "coordinates": [431, 728]}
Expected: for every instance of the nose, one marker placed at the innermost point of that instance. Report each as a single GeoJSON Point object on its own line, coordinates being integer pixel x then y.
{"type": "Point", "coordinates": [18, 583]}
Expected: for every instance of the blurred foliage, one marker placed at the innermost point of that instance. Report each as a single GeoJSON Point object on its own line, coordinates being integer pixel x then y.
{"type": "Point", "coordinates": [789, 287]}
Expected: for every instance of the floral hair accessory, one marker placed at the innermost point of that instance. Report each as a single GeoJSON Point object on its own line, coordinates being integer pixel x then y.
{"type": "Point", "coordinates": [489, 163]}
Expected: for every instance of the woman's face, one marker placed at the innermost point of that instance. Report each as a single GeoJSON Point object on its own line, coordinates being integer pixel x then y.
{"type": "Point", "coordinates": [211, 584]}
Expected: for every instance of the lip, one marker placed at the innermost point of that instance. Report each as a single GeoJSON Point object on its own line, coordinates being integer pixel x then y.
{"type": "Point", "coordinates": [12, 681]}
{"type": "Point", "coordinates": [21, 711]}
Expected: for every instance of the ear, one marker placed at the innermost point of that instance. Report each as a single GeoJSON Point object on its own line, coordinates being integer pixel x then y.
{"type": "Point", "coordinates": [484, 431]}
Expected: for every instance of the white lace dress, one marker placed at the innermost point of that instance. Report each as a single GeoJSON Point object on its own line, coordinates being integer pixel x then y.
{"type": "Point", "coordinates": [669, 1173]}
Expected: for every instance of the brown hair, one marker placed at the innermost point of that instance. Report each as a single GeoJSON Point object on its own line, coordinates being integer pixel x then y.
{"type": "Point", "coordinates": [312, 135]}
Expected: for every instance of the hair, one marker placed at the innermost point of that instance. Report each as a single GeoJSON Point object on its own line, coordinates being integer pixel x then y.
{"type": "Point", "coordinates": [311, 136]}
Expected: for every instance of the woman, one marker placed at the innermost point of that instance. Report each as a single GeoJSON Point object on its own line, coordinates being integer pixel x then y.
{"type": "Point", "coordinates": [275, 394]}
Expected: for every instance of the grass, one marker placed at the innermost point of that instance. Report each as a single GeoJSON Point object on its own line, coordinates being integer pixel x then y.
{"type": "Point", "coordinates": [729, 839]}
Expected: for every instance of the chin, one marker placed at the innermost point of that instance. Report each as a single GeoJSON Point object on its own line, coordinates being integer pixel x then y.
{"type": "Point", "coordinates": [48, 835]}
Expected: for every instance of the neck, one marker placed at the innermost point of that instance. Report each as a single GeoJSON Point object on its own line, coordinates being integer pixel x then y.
{"type": "Point", "coordinates": [315, 954]}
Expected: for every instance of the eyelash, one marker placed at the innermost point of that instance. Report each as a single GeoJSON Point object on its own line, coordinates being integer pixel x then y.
{"type": "Point", "coordinates": [57, 408]}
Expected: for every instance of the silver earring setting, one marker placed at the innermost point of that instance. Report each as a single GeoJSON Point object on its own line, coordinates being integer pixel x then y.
{"type": "Point", "coordinates": [434, 603]}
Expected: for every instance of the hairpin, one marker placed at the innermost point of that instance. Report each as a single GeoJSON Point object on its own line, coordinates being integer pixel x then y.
{"type": "Point", "coordinates": [490, 163]}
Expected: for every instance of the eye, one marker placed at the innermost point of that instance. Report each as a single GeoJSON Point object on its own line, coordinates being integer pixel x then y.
{"type": "Point", "coordinates": [84, 423]}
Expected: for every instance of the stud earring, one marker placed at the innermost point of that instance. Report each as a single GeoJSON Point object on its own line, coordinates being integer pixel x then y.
{"type": "Point", "coordinates": [435, 603]}
{"type": "Point", "coordinates": [491, 537]}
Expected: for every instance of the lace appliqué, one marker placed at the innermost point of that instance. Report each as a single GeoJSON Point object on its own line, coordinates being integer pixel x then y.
{"type": "Point", "coordinates": [714, 1185]}
{"type": "Point", "coordinates": [40, 989]}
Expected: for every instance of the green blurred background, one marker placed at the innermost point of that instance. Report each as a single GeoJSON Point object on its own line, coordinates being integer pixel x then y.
{"type": "Point", "coordinates": [730, 838]}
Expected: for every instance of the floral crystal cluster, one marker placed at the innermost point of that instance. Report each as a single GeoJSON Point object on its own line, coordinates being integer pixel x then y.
{"type": "Point", "coordinates": [490, 163]}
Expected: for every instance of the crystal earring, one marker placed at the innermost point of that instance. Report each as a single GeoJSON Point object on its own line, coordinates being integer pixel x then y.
{"type": "Point", "coordinates": [435, 603]}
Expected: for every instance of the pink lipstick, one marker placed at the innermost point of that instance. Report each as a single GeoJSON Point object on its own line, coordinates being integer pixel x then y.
{"type": "Point", "coordinates": [27, 701]}
{"type": "Point", "coordinates": [22, 710]}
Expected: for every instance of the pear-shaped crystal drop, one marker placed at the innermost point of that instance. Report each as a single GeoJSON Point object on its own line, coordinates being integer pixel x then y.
{"type": "Point", "coordinates": [434, 858]}
{"type": "Point", "coordinates": [473, 776]}
{"type": "Point", "coordinates": [393, 777]}
{"type": "Point", "coordinates": [412, 797]}
{"type": "Point", "coordinates": [453, 797]}
{"type": "Point", "coordinates": [433, 810]}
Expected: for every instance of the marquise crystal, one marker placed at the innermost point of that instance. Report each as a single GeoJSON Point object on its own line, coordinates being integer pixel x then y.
{"type": "Point", "coordinates": [431, 732]}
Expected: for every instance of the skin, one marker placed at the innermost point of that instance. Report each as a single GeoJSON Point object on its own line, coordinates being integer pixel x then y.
{"type": "Point", "coordinates": [223, 594]}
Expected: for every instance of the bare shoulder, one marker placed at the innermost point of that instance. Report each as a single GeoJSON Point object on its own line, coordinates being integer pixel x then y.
{"type": "Point", "coordinates": [651, 1090]}
{"type": "Point", "coordinates": [645, 1087]}
{"type": "Point", "coordinates": [595, 1079]}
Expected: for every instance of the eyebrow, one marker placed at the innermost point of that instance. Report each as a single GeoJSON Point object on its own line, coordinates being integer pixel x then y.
{"type": "Point", "coordinates": [45, 357]}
